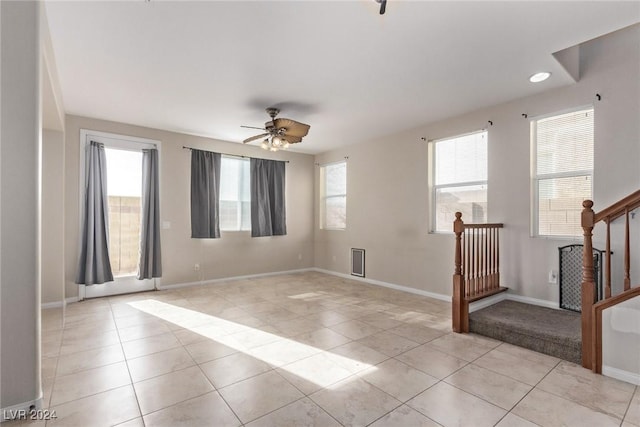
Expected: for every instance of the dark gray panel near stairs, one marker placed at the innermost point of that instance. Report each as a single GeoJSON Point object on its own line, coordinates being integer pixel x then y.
{"type": "Point", "coordinates": [545, 330]}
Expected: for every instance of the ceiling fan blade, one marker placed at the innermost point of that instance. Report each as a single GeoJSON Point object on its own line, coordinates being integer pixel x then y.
{"type": "Point", "coordinates": [252, 127]}
{"type": "Point", "coordinates": [291, 139]}
{"type": "Point", "coordinates": [253, 138]}
{"type": "Point", "coordinates": [383, 6]}
{"type": "Point", "coordinates": [292, 127]}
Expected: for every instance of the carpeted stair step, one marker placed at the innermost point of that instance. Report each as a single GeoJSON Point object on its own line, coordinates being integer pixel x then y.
{"type": "Point", "coordinates": [545, 330]}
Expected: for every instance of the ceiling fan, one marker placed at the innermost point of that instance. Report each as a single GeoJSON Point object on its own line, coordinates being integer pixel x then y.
{"type": "Point", "coordinates": [279, 132]}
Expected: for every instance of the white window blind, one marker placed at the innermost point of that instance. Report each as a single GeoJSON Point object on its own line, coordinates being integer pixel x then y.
{"type": "Point", "coordinates": [459, 180]}
{"type": "Point", "coordinates": [235, 196]}
{"type": "Point", "coordinates": [333, 203]}
{"type": "Point", "coordinates": [563, 171]}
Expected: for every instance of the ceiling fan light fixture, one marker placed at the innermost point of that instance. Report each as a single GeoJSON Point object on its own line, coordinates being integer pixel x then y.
{"type": "Point", "coordinates": [274, 143]}
{"type": "Point", "coordinates": [279, 133]}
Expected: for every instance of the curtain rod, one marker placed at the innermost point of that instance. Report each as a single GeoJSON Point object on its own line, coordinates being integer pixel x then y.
{"type": "Point", "coordinates": [233, 155]}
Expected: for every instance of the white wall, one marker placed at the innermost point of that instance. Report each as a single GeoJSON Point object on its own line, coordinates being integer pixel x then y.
{"type": "Point", "coordinates": [19, 204]}
{"type": "Point", "coordinates": [235, 253]}
{"type": "Point", "coordinates": [388, 198]}
{"type": "Point", "coordinates": [52, 216]}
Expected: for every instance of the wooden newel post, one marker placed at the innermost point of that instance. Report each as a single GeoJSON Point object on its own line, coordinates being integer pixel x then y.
{"type": "Point", "coordinates": [459, 306]}
{"type": "Point", "coordinates": [588, 286]}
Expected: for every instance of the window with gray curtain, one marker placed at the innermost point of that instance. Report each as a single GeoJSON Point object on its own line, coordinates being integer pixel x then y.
{"type": "Point", "coordinates": [94, 266]}
{"type": "Point", "coordinates": [205, 190]}
{"type": "Point", "coordinates": [150, 264]}
{"type": "Point", "coordinates": [268, 216]}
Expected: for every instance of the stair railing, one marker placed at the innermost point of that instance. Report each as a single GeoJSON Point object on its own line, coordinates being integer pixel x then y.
{"type": "Point", "coordinates": [477, 267]}
{"type": "Point", "coordinates": [591, 309]}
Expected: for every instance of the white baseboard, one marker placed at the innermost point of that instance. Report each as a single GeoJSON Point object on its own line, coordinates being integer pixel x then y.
{"type": "Point", "coordinates": [20, 410]}
{"type": "Point", "coordinates": [227, 279]}
{"type": "Point", "coordinates": [58, 304]}
{"type": "Point", "coordinates": [533, 301]}
{"type": "Point", "coordinates": [486, 302]}
{"type": "Point", "coordinates": [619, 374]}
{"type": "Point", "coordinates": [55, 304]}
{"type": "Point", "coordinates": [387, 285]}
{"type": "Point", "coordinates": [472, 307]}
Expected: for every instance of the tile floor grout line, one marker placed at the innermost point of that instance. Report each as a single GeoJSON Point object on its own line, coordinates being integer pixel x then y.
{"type": "Point", "coordinates": [361, 306]}
{"type": "Point", "coordinates": [562, 362]}
{"type": "Point", "coordinates": [635, 390]}
{"type": "Point", "coordinates": [304, 396]}
{"type": "Point", "coordinates": [534, 388]}
{"type": "Point", "coordinates": [475, 395]}
{"type": "Point", "coordinates": [126, 363]}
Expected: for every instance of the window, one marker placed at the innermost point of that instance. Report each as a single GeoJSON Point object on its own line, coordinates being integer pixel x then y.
{"type": "Point", "coordinates": [459, 167]}
{"type": "Point", "coordinates": [235, 196]}
{"type": "Point", "coordinates": [333, 190]}
{"type": "Point", "coordinates": [124, 191]}
{"type": "Point", "coordinates": [562, 169]}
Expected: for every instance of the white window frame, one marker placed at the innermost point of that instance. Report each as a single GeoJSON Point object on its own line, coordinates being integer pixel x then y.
{"type": "Point", "coordinates": [122, 284]}
{"type": "Point", "coordinates": [535, 178]}
{"type": "Point", "coordinates": [432, 180]}
{"type": "Point", "coordinates": [238, 202]}
{"type": "Point", "coordinates": [324, 197]}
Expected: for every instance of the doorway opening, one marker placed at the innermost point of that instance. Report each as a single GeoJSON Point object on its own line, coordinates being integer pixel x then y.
{"type": "Point", "coordinates": [124, 191]}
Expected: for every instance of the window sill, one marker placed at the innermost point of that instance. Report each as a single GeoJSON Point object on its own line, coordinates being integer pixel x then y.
{"type": "Point", "coordinates": [564, 238]}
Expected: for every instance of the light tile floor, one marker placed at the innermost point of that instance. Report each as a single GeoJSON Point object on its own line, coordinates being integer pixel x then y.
{"type": "Point", "coordinates": [304, 349]}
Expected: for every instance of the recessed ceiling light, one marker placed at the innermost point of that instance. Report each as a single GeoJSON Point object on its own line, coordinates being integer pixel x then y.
{"type": "Point", "coordinates": [539, 77]}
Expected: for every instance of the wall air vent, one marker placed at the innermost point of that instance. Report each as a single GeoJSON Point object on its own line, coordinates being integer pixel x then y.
{"type": "Point", "coordinates": [357, 262]}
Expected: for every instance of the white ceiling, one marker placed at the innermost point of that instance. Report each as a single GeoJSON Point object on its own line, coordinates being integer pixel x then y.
{"type": "Point", "coordinates": [207, 67]}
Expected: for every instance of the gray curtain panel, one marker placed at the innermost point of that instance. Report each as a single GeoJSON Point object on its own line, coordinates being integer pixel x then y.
{"type": "Point", "coordinates": [150, 264]}
{"type": "Point", "coordinates": [205, 191]}
{"type": "Point", "coordinates": [268, 216]}
{"type": "Point", "coordinates": [94, 266]}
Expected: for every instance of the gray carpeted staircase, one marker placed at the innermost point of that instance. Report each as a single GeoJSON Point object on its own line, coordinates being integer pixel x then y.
{"type": "Point", "coordinates": [545, 330]}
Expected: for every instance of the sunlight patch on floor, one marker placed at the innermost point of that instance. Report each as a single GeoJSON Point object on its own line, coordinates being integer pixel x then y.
{"type": "Point", "coordinates": [265, 346]}
{"type": "Point", "coordinates": [309, 296]}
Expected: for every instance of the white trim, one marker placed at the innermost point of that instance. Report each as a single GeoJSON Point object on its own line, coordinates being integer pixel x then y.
{"type": "Point", "coordinates": [335, 162]}
{"type": "Point", "coordinates": [54, 304]}
{"type": "Point", "coordinates": [473, 132]}
{"type": "Point", "coordinates": [474, 306]}
{"type": "Point", "coordinates": [15, 409]}
{"type": "Point", "coordinates": [584, 107]}
{"type": "Point", "coordinates": [619, 374]}
{"type": "Point", "coordinates": [231, 278]}
{"type": "Point", "coordinates": [387, 285]}
{"type": "Point", "coordinates": [486, 302]}
{"type": "Point", "coordinates": [494, 299]}
{"type": "Point", "coordinates": [58, 304]}
{"type": "Point", "coordinates": [533, 301]}
{"type": "Point", "coordinates": [118, 141]}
